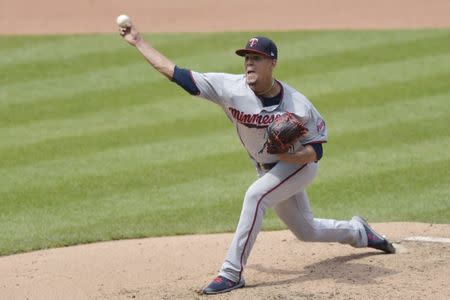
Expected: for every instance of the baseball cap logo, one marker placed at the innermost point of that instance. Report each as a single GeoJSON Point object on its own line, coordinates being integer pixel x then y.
{"type": "Point", "coordinates": [252, 42]}
{"type": "Point", "coordinates": [260, 45]}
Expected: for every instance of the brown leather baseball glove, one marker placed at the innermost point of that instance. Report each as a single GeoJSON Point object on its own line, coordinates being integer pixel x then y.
{"type": "Point", "coordinates": [283, 132]}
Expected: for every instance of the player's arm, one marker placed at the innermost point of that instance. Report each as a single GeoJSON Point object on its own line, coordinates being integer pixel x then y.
{"type": "Point", "coordinates": [307, 154]}
{"type": "Point", "coordinates": [161, 63]}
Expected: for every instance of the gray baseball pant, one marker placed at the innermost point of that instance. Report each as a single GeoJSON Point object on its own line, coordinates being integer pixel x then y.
{"type": "Point", "coordinates": [283, 189]}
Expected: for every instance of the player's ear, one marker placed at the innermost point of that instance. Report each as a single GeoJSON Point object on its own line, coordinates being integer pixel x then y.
{"type": "Point", "coordinates": [274, 63]}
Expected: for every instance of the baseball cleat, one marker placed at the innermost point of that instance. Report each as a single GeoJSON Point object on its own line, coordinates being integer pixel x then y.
{"type": "Point", "coordinates": [222, 285]}
{"type": "Point", "coordinates": [375, 240]}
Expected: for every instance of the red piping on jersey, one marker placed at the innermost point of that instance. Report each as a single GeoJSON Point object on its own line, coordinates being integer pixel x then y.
{"type": "Point", "coordinates": [256, 213]}
{"type": "Point", "coordinates": [193, 80]}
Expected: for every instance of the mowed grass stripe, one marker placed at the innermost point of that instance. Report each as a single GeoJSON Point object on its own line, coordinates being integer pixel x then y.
{"type": "Point", "coordinates": [354, 119]}
{"type": "Point", "coordinates": [342, 161]}
{"type": "Point", "coordinates": [97, 170]}
{"type": "Point", "coordinates": [113, 77]}
{"type": "Point", "coordinates": [84, 102]}
{"type": "Point", "coordinates": [350, 119]}
{"type": "Point", "coordinates": [200, 192]}
{"type": "Point", "coordinates": [99, 184]}
{"type": "Point", "coordinates": [120, 159]}
{"type": "Point", "coordinates": [393, 91]}
{"type": "Point", "coordinates": [316, 45]}
{"type": "Point", "coordinates": [368, 55]}
{"type": "Point", "coordinates": [75, 61]}
{"type": "Point", "coordinates": [351, 194]}
{"type": "Point", "coordinates": [141, 224]}
{"type": "Point", "coordinates": [125, 170]}
{"type": "Point", "coordinates": [117, 98]}
{"type": "Point", "coordinates": [362, 56]}
{"type": "Point", "coordinates": [390, 134]}
{"type": "Point", "coordinates": [339, 182]}
{"type": "Point", "coordinates": [18, 91]}
{"type": "Point", "coordinates": [97, 79]}
{"type": "Point", "coordinates": [48, 49]}
{"type": "Point", "coordinates": [150, 222]}
{"type": "Point", "coordinates": [370, 75]}
{"type": "Point", "coordinates": [66, 68]}
{"type": "Point", "coordinates": [73, 146]}
{"type": "Point", "coordinates": [374, 127]}
{"type": "Point", "coordinates": [421, 209]}
{"type": "Point", "coordinates": [29, 50]}
{"type": "Point", "coordinates": [338, 42]}
{"type": "Point", "coordinates": [107, 120]}
{"type": "Point", "coordinates": [393, 193]}
{"type": "Point", "coordinates": [16, 49]}
{"type": "Point", "coordinates": [97, 75]}
{"type": "Point", "coordinates": [337, 81]}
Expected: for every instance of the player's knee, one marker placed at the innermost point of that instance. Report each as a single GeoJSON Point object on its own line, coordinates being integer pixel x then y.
{"type": "Point", "coordinates": [253, 197]}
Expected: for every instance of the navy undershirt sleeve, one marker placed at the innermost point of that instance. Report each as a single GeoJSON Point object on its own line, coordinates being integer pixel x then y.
{"type": "Point", "coordinates": [183, 78]}
{"type": "Point", "coordinates": [319, 150]}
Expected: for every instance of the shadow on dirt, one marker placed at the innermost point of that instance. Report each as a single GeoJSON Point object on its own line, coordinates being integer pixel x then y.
{"type": "Point", "coordinates": [342, 269]}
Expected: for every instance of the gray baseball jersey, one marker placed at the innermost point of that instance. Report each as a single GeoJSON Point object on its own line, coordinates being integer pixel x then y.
{"type": "Point", "coordinates": [251, 118]}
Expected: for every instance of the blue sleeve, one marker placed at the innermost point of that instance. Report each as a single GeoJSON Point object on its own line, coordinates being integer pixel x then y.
{"type": "Point", "coordinates": [183, 78]}
{"type": "Point", "coordinates": [318, 148]}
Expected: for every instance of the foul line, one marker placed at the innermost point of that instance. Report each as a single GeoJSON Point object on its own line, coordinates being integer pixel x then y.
{"type": "Point", "coordinates": [428, 239]}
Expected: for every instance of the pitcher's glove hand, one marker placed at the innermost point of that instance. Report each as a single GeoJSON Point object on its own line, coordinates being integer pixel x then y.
{"type": "Point", "coordinates": [283, 132]}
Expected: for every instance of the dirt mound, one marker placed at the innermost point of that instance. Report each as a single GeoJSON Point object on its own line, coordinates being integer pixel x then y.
{"type": "Point", "coordinates": [280, 267]}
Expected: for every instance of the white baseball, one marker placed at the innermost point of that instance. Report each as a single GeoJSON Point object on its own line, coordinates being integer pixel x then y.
{"type": "Point", "coordinates": [123, 21]}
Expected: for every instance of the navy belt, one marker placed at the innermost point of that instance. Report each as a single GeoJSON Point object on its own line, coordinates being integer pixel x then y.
{"type": "Point", "coordinates": [266, 167]}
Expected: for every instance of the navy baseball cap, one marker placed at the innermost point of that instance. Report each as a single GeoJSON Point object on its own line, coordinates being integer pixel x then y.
{"type": "Point", "coordinates": [260, 45]}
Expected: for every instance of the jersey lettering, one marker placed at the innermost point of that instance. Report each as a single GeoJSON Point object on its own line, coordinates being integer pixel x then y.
{"type": "Point", "coordinates": [252, 120]}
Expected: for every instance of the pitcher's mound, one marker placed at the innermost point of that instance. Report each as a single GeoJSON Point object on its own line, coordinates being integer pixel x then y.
{"type": "Point", "coordinates": [280, 267]}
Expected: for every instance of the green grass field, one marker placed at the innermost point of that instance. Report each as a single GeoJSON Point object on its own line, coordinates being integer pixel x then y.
{"type": "Point", "coordinates": [95, 145]}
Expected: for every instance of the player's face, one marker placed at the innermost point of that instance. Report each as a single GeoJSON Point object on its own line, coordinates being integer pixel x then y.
{"type": "Point", "coordinates": [258, 68]}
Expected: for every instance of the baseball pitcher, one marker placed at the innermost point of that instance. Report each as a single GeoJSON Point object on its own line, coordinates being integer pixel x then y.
{"type": "Point", "coordinates": [283, 134]}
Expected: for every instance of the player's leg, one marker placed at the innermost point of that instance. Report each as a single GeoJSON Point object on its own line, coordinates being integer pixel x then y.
{"type": "Point", "coordinates": [296, 213]}
{"type": "Point", "coordinates": [280, 183]}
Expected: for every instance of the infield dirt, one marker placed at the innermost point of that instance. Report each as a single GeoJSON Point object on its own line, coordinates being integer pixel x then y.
{"type": "Point", "coordinates": [280, 266]}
